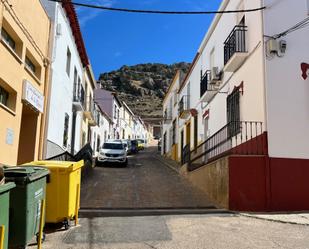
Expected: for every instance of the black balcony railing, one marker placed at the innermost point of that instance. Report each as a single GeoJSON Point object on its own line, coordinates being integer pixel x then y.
{"type": "Point", "coordinates": [79, 94]}
{"type": "Point", "coordinates": [205, 79]}
{"type": "Point", "coordinates": [237, 137]}
{"type": "Point", "coordinates": [235, 42]}
{"type": "Point", "coordinates": [184, 104]}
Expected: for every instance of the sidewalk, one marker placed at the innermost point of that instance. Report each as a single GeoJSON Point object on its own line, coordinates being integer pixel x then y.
{"type": "Point", "coordinates": [168, 162]}
{"type": "Point", "coordinates": [292, 218]}
{"type": "Point", "coordinates": [287, 218]}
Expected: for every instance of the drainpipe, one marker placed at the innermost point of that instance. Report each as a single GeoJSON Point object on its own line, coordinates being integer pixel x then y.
{"type": "Point", "coordinates": [47, 89]}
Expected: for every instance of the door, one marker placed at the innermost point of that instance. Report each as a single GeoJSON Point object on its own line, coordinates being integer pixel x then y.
{"type": "Point", "coordinates": [188, 134]}
{"type": "Point", "coordinates": [181, 145]}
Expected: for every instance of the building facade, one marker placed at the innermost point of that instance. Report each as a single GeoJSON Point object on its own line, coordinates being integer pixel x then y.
{"type": "Point", "coordinates": [67, 100]}
{"type": "Point", "coordinates": [111, 105]}
{"type": "Point", "coordinates": [24, 52]}
{"type": "Point", "coordinates": [170, 119]}
{"type": "Point", "coordinates": [242, 117]}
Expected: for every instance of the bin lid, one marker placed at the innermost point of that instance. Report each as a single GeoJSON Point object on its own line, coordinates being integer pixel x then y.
{"type": "Point", "coordinates": [24, 174]}
{"type": "Point", "coordinates": [6, 187]}
{"type": "Point", "coordinates": [69, 166]}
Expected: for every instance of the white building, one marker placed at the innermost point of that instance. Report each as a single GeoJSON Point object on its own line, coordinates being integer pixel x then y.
{"type": "Point", "coordinates": [243, 109]}
{"type": "Point", "coordinates": [102, 131]}
{"type": "Point", "coordinates": [66, 77]}
{"type": "Point", "coordinates": [170, 118]}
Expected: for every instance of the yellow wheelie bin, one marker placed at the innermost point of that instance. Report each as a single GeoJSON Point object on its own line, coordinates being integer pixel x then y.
{"type": "Point", "coordinates": [62, 190]}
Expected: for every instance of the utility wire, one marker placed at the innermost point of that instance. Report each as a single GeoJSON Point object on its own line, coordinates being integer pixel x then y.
{"type": "Point", "coordinates": [156, 11]}
{"type": "Point", "coordinates": [302, 24]}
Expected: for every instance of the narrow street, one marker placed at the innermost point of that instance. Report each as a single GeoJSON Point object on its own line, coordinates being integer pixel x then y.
{"type": "Point", "coordinates": [146, 183]}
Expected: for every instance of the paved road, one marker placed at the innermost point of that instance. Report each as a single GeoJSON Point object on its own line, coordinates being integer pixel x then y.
{"type": "Point", "coordinates": [179, 232]}
{"type": "Point", "coordinates": [145, 183]}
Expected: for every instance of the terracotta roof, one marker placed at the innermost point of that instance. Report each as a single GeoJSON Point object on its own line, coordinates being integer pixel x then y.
{"type": "Point", "coordinates": [72, 16]}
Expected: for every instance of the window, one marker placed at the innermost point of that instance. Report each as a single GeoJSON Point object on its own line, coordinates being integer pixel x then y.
{"type": "Point", "coordinates": [8, 39]}
{"type": "Point", "coordinates": [115, 112]}
{"type": "Point", "coordinates": [98, 143]}
{"type": "Point", "coordinates": [30, 65]}
{"type": "Point", "coordinates": [4, 96]}
{"type": "Point", "coordinates": [195, 130]}
{"type": "Point", "coordinates": [68, 65]}
{"type": "Point", "coordinates": [233, 113]}
{"type": "Point", "coordinates": [174, 132]}
{"type": "Point", "coordinates": [66, 130]}
{"type": "Point", "coordinates": [75, 86]}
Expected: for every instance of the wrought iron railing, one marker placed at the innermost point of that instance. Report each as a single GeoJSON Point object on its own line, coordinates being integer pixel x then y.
{"type": "Point", "coordinates": [184, 104]}
{"type": "Point", "coordinates": [205, 79]}
{"type": "Point", "coordinates": [235, 42]}
{"type": "Point", "coordinates": [79, 94]}
{"type": "Point", "coordinates": [237, 137]}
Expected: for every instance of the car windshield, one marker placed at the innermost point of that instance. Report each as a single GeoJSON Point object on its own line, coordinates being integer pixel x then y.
{"type": "Point", "coordinates": [112, 146]}
{"type": "Point", "coordinates": [140, 140]}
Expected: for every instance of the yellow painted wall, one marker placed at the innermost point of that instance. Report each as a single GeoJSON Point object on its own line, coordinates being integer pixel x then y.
{"type": "Point", "coordinates": [213, 180]}
{"type": "Point", "coordinates": [12, 68]}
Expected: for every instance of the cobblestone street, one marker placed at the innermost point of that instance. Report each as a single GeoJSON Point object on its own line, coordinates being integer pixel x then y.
{"type": "Point", "coordinates": [146, 183]}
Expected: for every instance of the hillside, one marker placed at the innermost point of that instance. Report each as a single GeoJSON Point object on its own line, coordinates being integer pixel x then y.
{"type": "Point", "coordinates": [142, 86]}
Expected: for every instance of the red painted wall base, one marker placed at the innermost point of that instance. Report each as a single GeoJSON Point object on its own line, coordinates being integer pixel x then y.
{"type": "Point", "coordinates": [260, 183]}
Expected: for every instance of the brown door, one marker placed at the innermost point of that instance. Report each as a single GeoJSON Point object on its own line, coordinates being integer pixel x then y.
{"type": "Point", "coordinates": [188, 133]}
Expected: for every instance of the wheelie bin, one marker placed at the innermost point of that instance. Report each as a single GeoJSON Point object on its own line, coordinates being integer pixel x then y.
{"type": "Point", "coordinates": [4, 210]}
{"type": "Point", "coordinates": [25, 203]}
{"type": "Point", "coordinates": [63, 190]}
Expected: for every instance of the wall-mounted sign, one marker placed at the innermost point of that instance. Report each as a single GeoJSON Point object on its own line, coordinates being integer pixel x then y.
{"type": "Point", "coordinates": [304, 68]}
{"type": "Point", "coordinates": [9, 136]}
{"type": "Point", "coordinates": [32, 96]}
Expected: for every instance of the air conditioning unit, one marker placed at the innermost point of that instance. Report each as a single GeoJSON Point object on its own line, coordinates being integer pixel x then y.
{"type": "Point", "coordinates": [215, 75]}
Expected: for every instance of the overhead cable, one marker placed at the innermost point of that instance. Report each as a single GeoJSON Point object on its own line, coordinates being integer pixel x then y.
{"type": "Point", "coordinates": [156, 11]}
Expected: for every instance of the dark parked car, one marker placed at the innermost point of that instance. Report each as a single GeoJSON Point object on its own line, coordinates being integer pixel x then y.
{"type": "Point", "coordinates": [134, 146]}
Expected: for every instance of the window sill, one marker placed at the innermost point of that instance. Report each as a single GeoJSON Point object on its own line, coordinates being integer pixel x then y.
{"type": "Point", "coordinates": [7, 109]}
{"type": "Point", "coordinates": [17, 57]}
{"type": "Point", "coordinates": [33, 75]}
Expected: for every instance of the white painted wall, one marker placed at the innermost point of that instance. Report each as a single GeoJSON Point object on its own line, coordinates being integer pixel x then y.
{"type": "Point", "coordinates": [251, 72]}
{"type": "Point", "coordinates": [61, 84]}
{"type": "Point", "coordinates": [169, 104]}
{"type": "Point", "coordinates": [287, 91]}
{"type": "Point", "coordinates": [103, 129]}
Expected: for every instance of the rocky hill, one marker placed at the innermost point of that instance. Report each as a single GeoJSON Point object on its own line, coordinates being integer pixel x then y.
{"type": "Point", "coordinates": [142, 86]}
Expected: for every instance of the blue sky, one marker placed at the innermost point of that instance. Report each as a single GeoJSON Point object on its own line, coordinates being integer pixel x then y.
{"type": "Point", "coordinates": [114, 39]}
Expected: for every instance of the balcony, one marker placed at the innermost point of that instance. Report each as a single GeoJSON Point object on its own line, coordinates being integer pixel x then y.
{"type": "Point", "coordinates": [78, 98]}
{"type": "Point", "coordinates": [235, 138]}
{"type": "Point", "coordinates": [235, 49]}
{"type": "Point", "coordinates": [184, 107]}
{"type": "Point", "coordinates": [167, 116]}
{"type": "Point", "coordinates": [209, 86]}
{"type": "Point", "coordinates": [89, 111]}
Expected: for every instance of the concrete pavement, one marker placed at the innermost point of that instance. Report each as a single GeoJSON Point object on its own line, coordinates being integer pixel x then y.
{"type": "Point", "coordinates": [179, 232]}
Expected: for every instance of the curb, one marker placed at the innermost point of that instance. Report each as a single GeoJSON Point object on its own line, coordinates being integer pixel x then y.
{"type": "Point", "coordinates": [91, 213]}
{"type": "Point", "coordinates": [273, 220]}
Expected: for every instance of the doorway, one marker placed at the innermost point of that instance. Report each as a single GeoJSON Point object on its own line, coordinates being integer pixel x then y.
{"type": "Point", "coordinates": [188, 134]}
{"type": "Point", "coordinates": [27, 135]}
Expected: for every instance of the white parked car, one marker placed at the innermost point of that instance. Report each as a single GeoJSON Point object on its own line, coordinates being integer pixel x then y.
{"type": "Point", "coordinates": [113, 152]}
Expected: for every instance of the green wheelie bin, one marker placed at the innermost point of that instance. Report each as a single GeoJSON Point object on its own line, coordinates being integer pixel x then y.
{"type": "Point", "coordinates": [4, 210]}
{"type": "Point", "coordinates": [25, 203]}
